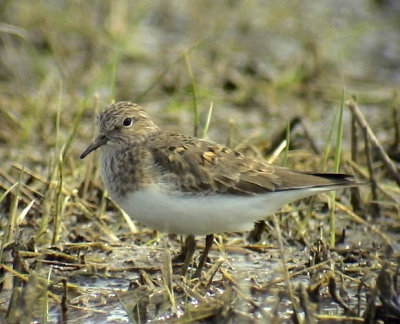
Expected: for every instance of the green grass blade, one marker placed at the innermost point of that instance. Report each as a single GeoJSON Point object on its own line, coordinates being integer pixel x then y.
{"type": "Point", "coordinates": [339, 135]}
{"type": "Point", "coordinates": [58, 215]}
{"type": "Point", "coordinates": [196, 120]}
{"type": "Point", "coordinates": [208, 121]}
{"type": "Point", "coordinates": [285, 156]}
{"type": "Point", "coordinates": [328, 147]}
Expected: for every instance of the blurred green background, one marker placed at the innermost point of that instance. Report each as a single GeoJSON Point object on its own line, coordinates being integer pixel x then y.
{"type": "Point", "coordinates": [259, 62]}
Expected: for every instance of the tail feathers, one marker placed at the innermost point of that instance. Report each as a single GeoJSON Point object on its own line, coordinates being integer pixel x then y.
{"type": "Point", "coordinates": [336, 178]}
{"type": "Point", "coordinates": [340, 179]}
{"type": "Point", "coordinates": [323, 181]}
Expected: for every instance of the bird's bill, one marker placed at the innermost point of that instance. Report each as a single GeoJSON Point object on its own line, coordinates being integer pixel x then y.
{"type": "Point", "coordinates": [99, 141]}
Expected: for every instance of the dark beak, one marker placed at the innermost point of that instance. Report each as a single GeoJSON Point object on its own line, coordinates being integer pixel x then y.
{"type": "Point", "coordinates": [99, 141]}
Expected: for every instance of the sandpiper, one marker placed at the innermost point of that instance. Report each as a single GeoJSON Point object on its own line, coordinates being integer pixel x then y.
{"type": "Point", "coordinates": [184, 185]}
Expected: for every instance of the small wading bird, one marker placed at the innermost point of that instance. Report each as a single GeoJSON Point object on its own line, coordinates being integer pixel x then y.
{"type": "Point", "coordinates": [179, 184]}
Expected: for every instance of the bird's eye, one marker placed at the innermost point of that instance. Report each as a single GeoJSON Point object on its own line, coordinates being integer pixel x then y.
{"type": "Point", "coordinates": [127, 122]}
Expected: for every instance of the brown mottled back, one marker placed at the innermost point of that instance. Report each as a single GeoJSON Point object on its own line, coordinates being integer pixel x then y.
{"type": "Point", "coordinates": [203, 166]}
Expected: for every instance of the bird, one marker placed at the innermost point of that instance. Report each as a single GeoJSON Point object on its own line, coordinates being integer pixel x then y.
{"type": "Point", "coordinates": [179, 184]}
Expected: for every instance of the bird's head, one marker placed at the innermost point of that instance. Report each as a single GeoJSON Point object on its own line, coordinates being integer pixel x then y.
{"type": "Point", "coordinates": [121, 124]}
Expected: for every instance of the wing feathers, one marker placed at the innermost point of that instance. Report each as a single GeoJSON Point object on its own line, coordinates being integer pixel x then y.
{"type": "Point", "coordinates": [203, 166]}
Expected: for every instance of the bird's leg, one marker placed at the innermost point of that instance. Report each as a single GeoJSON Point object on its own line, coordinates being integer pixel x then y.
{"type": "Point", "coordinates": [179, 258]}
{"type": "Point", "coordinates": [190, 246]}
{"type": "Point", "coordinates": [255, 234]}
{"type": "Point", "coordinates": [209, 243]}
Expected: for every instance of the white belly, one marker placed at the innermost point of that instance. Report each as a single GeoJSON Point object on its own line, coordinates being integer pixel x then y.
{"type": "Point", "coordinates": [174, 213]}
